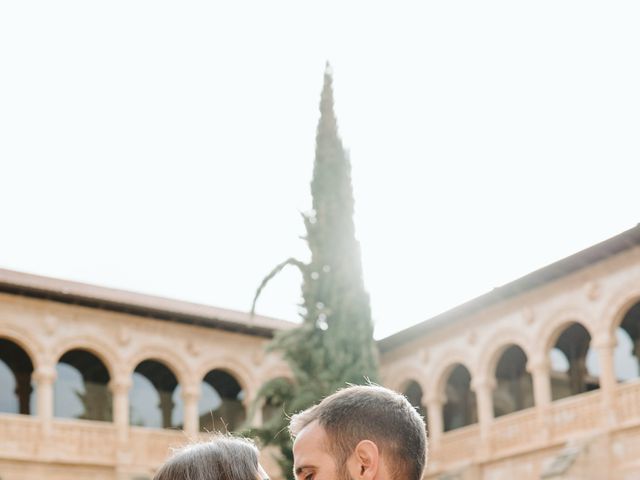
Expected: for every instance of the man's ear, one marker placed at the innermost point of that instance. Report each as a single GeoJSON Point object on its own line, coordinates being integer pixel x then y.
{"type": "Point", "coordinates": [364, 462]}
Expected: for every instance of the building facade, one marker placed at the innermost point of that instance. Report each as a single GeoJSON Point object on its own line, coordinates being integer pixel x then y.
{"type": "Point", "coordinates": [98, 383]}
{"type": "Point", "coordinates": [536, 379]}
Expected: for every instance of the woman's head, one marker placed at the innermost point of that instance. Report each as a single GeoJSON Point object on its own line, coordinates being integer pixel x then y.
{"type": "Point", "coordinates": [222, 458]}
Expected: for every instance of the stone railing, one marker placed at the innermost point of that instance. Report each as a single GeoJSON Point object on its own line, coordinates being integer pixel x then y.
{"type": "Point", "coordinates": [82, 441]}
{"type": "Point", "coordinates": [573, 415]}
{"type": "Point", "coordinates": [152, 447]}
{"type": "Point", "coordinates": [19, 436]}
{"type": "Point", "coordinates": [457, 445]}
{"type": "Point", "coordinates": [628, 403]}
{"type": "Point", "coordinates": [534, 428]}
{"type": "Point", "coordinates": [513, 432]}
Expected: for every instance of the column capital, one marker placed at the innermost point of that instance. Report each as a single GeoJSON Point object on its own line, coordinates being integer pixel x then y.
{"type": "Point", "coordinates": [604, 341]}
{"type": "Point", "coordinates": [120, 385]}
{"type": "Point", "coordinates": [191, 393]}
{"type": "Point", "coordinates": [539, 364]}
{"type": "Point", "coordinates": [482, 383]}
{"type": "Point", "coordinates": [45, 374]}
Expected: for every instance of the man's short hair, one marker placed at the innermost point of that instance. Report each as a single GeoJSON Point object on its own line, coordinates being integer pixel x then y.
{"type": "Point", "coordinates": [371, 413]}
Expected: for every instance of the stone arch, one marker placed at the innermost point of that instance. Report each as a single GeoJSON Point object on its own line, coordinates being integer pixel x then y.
{"type": "Point", "coordinates": [573, 378]}
{"type": "Point", "coordinates": [403, 375]}
{"type": "Point", "coordinates": [224, 401]}
{"type": "Point", "coordinates": [494, 347]}
{"type": "Point", "coordinates": [81, 388]}
{"type": "Point", "coordinates": [16, 377]}
{"type": "Point", "coordinates": [617, 307]}
{"type": "Point", "coordinates": [620, 328]}
{"type": "Point", "coordinates": [443, 367]}
{"type": "Point", "coordinates": [91, 344]}
{"type": "Point", "coordinates": [414, 392]}
{"type": "Point", "coordinates": [234, 368]}
{"type": "Point", "coordinates": [156, 393]}
{"type": "Point", "coordinates": [30, 345]}
{"type": "Point", "coordinates": [460, 407]}
{"type": "Point", "coordinates": [163, 355]}
{"type": "Point", "coordinates": [554, 325]}
{"type": "Point", "coordinates": [512, 385]}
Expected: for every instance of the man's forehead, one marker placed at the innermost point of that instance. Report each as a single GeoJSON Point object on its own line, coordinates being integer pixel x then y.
{"type": "Point", "coordinates": [311, 433]}
{"type": "Point", "coordinates": [309, 441]}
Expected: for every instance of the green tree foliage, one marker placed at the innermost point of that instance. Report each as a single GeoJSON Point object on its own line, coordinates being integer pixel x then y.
{"type": "Point", "coordinates": [334, 344]}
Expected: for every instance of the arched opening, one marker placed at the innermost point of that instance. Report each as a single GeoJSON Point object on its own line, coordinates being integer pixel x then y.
{"type": "Point", "coordinates": [155, 398]}
{"type": "Point", "coordinates": [627, 352]}
{"type": "Point", "coordinates": [573, 364]}
{"type": "Point", "coordinates": [220, 407]}
{"type": "Point", "coordinates": [81, 388]}
{"type": "Point", "coordinates": [16, 369]}
{"type": "Point", "coordinates": [514, 386]}
{"type": "Point", "coordinates": [460, 409]}
{"type": "Point", "coordinates": [413, 392]}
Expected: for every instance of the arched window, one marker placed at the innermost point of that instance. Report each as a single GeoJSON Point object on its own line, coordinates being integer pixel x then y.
{"type": "Point", "coordinates": [155, 398]}
{"type": "Point", "coordinates": [16, 394]}
{"type": "Point", "coordinates": [460, 409]}
{"type": "Point", "coordinates": [81, 388]}
{"type": "Point", "coordinates": [413, 392]}
{"type": "Point", "coordinates": [514, 387]}
{"type": "Point", "coordinates": [220, 407]}
{"type": "Point", "coordinates": [627, 352]}
{"type": "Point", "coordinates": [573, 364]}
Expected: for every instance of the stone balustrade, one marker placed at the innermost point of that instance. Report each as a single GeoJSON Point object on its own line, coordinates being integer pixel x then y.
{"type": "Point", "coordinates": [628, 404]}
{"type": "Point", "coordinates": [90, 443]}
{"type": "Point", "coordinates": [457, 445]}
{"type": "Point", "coordinates": [513, 432]}
{"type": "Point", "coordinates": [524, 432]}
{"type": "Point", "coordinates": [149, 446]}
{"type": "Point", "coordinates": [575, 415]}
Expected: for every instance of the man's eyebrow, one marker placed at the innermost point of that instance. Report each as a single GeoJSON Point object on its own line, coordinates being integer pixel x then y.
{"type": "Point", "coordinates": [301, 468]}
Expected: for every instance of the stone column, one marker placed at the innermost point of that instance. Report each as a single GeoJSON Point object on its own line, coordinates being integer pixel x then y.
{"type": "Point", "coordinates": [605, 346]}
{"type": "Point", "coordinates": [484, 386]}
{"type": "Point", "coordinates": [484, 393]}
{"type": "Point", "coordinates": [120, 387]}
{"type": "Point", "coordinates": [190, 397]}
{"type": "Point", "coordinates": [45, 376]}
{"type": "Point", "coordinates": [540, 367]}
{"type": "Point", "coordinates": [435, 421]}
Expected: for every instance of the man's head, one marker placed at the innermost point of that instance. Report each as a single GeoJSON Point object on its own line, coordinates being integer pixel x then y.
{"type": "Point", "coordinates": [359, 433]}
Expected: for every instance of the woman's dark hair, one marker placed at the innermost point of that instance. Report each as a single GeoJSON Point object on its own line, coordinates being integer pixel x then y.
{"type": "Point", "coordinates": [222, 458]}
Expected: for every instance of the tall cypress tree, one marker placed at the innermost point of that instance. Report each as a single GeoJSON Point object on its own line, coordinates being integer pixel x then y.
{"type": "Point", "coordinates": [334, 344]}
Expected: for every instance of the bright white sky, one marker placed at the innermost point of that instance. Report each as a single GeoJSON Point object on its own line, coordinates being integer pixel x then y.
{"type": "Point", "coordinates": [167, 147]}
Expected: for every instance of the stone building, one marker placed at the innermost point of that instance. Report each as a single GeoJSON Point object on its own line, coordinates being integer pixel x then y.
{"type": "Point", "coordinates": [536, 379]}
{"type": "Point", "coordinates": [100, 383]}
